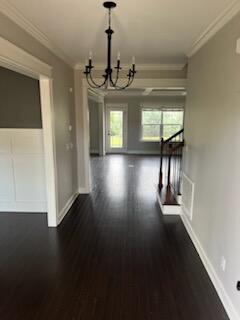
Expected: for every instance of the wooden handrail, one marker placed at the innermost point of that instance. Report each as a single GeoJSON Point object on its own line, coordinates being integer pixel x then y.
{"type": "Point", "coordinates": [173, 136]}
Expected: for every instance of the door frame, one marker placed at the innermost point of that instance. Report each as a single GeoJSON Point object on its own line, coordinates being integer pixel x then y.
{"type": "Point", "coordinates": [117, 106]}
{"type": "Point", "coordinates": [82, 120]}
{"type": "Point", "coordinates": [14, 58]}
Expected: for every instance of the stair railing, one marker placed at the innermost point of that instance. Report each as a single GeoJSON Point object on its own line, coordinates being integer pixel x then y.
{"type": "Point", "coordinates": [171, 159]}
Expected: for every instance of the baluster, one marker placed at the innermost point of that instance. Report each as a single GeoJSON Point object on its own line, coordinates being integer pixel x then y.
{"type": "Point", "coordinates": [169, 166]}
{"type": "Point", "coordinates": [160, 184]}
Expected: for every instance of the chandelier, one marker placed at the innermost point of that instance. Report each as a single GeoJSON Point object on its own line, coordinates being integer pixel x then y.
{"type": "Point", "coordinates": [108, 80]}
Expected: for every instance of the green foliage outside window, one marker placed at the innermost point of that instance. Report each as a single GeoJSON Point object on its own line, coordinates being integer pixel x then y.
{"type": "Point", "coordinates": [157, 124]}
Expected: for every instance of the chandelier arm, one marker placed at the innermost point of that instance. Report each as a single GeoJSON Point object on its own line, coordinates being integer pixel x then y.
{"type": "Point", "coordinates": [114, 83]}
{"type": "Point", "coordinates": [95, 84]}
{"type": "Point", "coordinates": [130, 81]}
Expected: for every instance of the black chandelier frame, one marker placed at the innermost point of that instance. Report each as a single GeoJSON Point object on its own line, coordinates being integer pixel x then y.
{"type": "Point", "coordinates": [108, 81]}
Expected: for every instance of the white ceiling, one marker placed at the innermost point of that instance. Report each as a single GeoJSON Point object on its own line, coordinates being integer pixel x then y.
{"type": "Point", "coordinates": [155, 31]}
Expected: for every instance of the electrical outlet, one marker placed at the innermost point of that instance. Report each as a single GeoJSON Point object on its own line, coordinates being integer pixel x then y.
{"type": "Point", "coordinates": [223, 263]}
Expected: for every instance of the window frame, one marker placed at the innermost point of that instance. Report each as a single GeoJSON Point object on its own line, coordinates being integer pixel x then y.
{"type": "Point", "coordinates": [161, 126]}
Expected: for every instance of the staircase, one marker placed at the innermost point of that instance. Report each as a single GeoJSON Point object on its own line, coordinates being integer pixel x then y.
{"type": "Point", "coordinates": [169, 185]}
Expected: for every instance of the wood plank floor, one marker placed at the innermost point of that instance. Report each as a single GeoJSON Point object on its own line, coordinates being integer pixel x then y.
{"type": "Point", "coordinates": [114, 257]}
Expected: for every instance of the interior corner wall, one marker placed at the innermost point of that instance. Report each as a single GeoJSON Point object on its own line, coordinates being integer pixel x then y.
{"type": "Point", "coordinates": [64, 113]}
{"type": "Point", "coordinates": [212, 156]}
{"type": "Point", "coordinates": [134, 119]}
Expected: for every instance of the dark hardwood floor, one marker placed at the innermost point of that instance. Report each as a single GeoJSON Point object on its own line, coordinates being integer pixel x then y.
{"type": "Point", "coordinates": [114, 257]}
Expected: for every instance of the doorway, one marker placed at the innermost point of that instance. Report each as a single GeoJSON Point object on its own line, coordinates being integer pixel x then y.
{"type": "Point", "coordinates": [116, 128]}
{"type": "Point", "coordinates": [18, 60]}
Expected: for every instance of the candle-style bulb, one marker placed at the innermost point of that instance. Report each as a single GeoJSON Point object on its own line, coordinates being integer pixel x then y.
{"type": "Point", "coordinates": [90, 55]}
{"type": "Point", "coordinates": [133, 60]}
{"type": "Point", "coordinates": [118, 56]}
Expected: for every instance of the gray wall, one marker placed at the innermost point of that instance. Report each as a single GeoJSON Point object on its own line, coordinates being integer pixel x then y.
{"type": "Point", "coordinates": [134, 122]}
{"type": "Point", "coordinates": [94, 125]}
{"type": "Point", "coordinates": [63, 100]}
{"type": "Point", "coordinates": [19, 101]}
{"type": "Point", "coordinates": [212, 159]}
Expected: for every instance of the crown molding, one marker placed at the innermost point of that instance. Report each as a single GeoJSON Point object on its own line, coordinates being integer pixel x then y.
{"type": "Point", "coordinates": [17, 17]}
{"type": "Point", "coordinates": [215, 26]}
{"type": "Point", "coordinates": [140, 67]}
{"type": "Point", "coordinates": [96, 95]}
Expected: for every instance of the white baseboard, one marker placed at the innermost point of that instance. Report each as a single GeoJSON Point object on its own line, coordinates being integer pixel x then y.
{"type": "Point", "coordinates": [83, 191]}
{"type": "Point", "coordinates": [168, 210]}
{"type": "Point", "coordinates": [226, 301]}
{"type": "Point", "coordinates": [143, 152]}
{"type": "Point", "coordinates": [67, 206]}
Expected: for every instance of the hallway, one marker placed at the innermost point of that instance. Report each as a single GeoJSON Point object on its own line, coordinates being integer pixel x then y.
{"type": "Point", "coordinates": [114, 257]}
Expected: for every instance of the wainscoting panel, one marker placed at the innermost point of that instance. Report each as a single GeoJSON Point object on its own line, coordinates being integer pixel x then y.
{"type": "Point", "coordinates": [22, 173]}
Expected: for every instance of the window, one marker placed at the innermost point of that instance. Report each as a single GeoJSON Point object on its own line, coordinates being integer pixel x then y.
{"type": "Point", "coordinates": [151, 122]}
{"type": "Point", "coordinates": [157, 123]}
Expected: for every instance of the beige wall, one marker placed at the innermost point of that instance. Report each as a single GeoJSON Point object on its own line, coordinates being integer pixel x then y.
{"type": "Point", "coordinates": [212, 156]}
{"type": "Point", "coordinates": [63, 106]}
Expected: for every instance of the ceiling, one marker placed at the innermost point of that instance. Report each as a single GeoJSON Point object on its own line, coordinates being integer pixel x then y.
{"type": "Point", "coordinates": [155, 31]}
{"type": "Point", "coordinates": [145, 92]}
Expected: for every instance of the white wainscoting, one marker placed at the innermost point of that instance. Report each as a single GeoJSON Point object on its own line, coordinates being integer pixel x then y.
{"type": "Point", "coordinates": [22, 172]}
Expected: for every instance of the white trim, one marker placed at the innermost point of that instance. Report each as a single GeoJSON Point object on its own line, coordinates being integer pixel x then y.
{"type": "Point", "coordinates": [215, 26]}
{"type": "Point", "coordinates": [47, 111]}
{"type": "Point", "coordinates": [168, 209]}
{"type": "Point", "coordinates": [161, 106]}
{"type": "Point", "coordinates": [158, 83]}
{"type": "Point", "coordinates": [124, 108]}
{"type": "Point", "coordinates": [16, 58]}
{"type": "Point", "coordinates": [83, 191]}
{"type": "Point", "coordinates": [17, 17]}
{"type": "Point", "coordinates": [144, 152]}
{"type": "Point", "coordinates": [67, 207]}
{"type": "Point", "coordinates": [230, 309]}
{"type": "Point", "coordinates": [189, 213]}
{"type": "Point", "coordinates": [96, 96]}
{"type": "Point", "coordinates": [140, 67]}
{"type": "Point", "coordinates": [178, 84]}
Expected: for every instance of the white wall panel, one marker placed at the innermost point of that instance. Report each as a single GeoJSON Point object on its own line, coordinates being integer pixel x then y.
{"type": "Point", "coordinates": [22, 173]}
